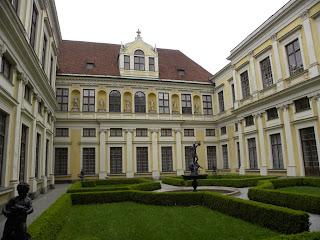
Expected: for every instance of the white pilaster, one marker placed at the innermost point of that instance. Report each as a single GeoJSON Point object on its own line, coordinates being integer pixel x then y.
{"type": "Point", "coordinates": [314, 65]}
{"type": "Point", "coordinates": [180, 170]}
{"type": "Point", "coordinates": [253, 73]}
{"type": "Point", "coordinates": [155, 168]}
{"type": "Point", "coordinates": [102, 173]}
{"type": "Point", "coordinates": [129, 173]}
{"type": "Point", "coordinates": [317, 99]}
{"type": "Point", "coordinates": [235, 87]}
{"type": "Point", "coordinates": [291, 169]}
{"type": "Point", "coordinates": [264, 167]}
{"type": "Point", "coordinates": [241, 146]}
{"type": "Point", "coordinates": [280, 83]}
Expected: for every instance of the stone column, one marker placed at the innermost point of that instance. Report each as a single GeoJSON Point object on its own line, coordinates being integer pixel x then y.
{"type": "Point", "coordinates": [180, 170]}
{"type": "Point", "coordinates": [291, 169]}
{"type": "Point", "coordinates": [129, 173]}
{"type": "Point", "coordinates": [103, 173]}
{"type": "Point", "coordinates": [280, 84]}
{"type": "Point", "coordinates": [317, 99]}
{"type": "Point", "coordinates": [314, 65]}
{"type": "Point", "coordinates": [155, 162]}
{"type": "Point", "coordinates": [264, 166]}
{"type": "Point", "coordinates": [236, 101]}
{"type": "Point", "coordinates": [241, 146]}
{"type": "Point", "coordinates": [253, 71]}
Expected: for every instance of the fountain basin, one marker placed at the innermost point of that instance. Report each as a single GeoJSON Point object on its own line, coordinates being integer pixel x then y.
{"type": "Point", "coordinates": [230, 191]}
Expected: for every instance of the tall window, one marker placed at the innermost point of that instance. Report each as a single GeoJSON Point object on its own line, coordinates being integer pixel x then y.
{"type": "Point", "coordinates": [166, 132]}
{"type": "Point", "coordinates": [47, 157]}
{"type": "Point", "coordinates": [266, 72]}
{"type": "Point", "coordinates": [188, 156]}
{"type": "Point", "coordinates": [61, 161]}
{"type": "Point", "coordinates": [3, 117]}
{"type": "Point", "coordinates": [151, 64]}
{"type": "Point", "coordinates": [37, 155]}
{"type": "Point", "coordinates": [225, 156]}
{"type": "Point", "coordinates": [44, 51]}
{"type": "Point", "coordinates": [294, 57]}
{"type": "Point", "coordinates": [223, 130]}
{"type": "Point", "coordinates": [309, 151]}
{"type": "Point", "coordinates": [51, 71]}
{"type": "Point", "coordinates": [166, 158]}
{"type": "Point", "coordinates": [186, 103]}
{"type": "Point", "coordinates": [245, 84]}
{"type": "Point", "coordinates": [27, 93]}
{"type": "Point", "coordinates": [142, 159]}
{"type": "Point", "coordinates": [126, 62]}
{"type": "Point", "coordinates": [272, 113]}
{"type": "Point", "coordinates": [207, 104]}
{"type": "Point", "coordinates": [249, 120]}
{"type": "Point", "coordinates": [115, 132]}
{"type": "Point", "coordinates": [221, 101]}
{"type": "Point", "coordinates": [23, 152]}
{"type": "Point", "coordinates": [88, 100]}
{"type": "Point", "coordinates": [211, 157]}
{"type": "Point", "coordinates": [63, 98]}
{"type": "Point", "coordinates": [89, 132]}
{"type": "Point", "coordinates": [141, 132]}
{"type": "Point", "coordinates": [238, 154]}
{"type": "Point", "coordinates": [233, 93]}
{"type": "Point", "coordinates": [114, 101]}
{"type": "Point", "coordinates": [163, 102]}
{"type": "Point", "coordinates": [252, 153]}
{"type": "Point", "coordinates": [302, 104]}
{"type": "Point", "coordinates": [139, 60]}
{"type": "Point", "coordinates": [34, 20]}
{"type": "Point", "coordinates": [139, 102]}
{"type": "Point", "coordinates": [276, 150]}
{"type": "Point", "coordinates": [115, 160]}
{"type": "Point", "coordinates": [5, 67]}
{"type": "Point", "coordinates": [15, 4]}
{"type": "Point", "coordinates": [89, 160]}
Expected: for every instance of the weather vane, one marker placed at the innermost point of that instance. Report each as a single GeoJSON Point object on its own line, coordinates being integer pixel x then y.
{"type": "Point", "coordinates": [138, 32]}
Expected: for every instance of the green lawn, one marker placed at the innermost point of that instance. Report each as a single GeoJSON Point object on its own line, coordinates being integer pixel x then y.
{"type": "Point", "coordinates": [130, 221]}
{"type": "Point", "coordinates": [301, 189]}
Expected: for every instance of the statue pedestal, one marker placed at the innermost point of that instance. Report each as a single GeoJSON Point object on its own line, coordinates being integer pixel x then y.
{"type": "Point", "coordinates": [152, 111]}
{"type": "Point", "coordinates": [127, 110]}
{"type": "Point", "coordinates": [175, 112]}
{"type": "Point", "coordinates": [75, 109]}
{"type": "Point", "coordinates": [101, 110]}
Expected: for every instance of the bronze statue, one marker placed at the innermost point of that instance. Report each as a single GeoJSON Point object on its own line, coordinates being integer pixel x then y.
{"type": "Point", "coordinates": [16, 210]}
{"type": "Point", "coordinates": [194, 165]}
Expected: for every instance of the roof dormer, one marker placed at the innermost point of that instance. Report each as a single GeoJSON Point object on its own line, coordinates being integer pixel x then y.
{"type": "Point", "coordinates": [138, 58]}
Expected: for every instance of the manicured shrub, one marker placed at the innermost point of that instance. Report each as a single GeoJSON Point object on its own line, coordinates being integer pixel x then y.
{"type": "Point", "coordinates": [299, 236]}
{"type": "Point", "coordinates": [147, 186]}
{"type": "Point", "coordinates": [173, 181]}
{"type": "Point", "coordinates": [88, 184]}
{"type": "Point", "coordinates": [49, 223]}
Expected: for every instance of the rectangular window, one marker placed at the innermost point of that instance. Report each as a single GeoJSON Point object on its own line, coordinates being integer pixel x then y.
{"type": "Point", "coordinates": [302, 104]}
{"type": "Point", "coordinates": [188, 156]}
{"type": "Point", "coordinates": [27, 93]}
{"type": "Point", "coordinates": [236, 127]}
{"type": "Point", "coordinates": [5, 67]}
{"type": "Point", "coordinates": [49, 118]}
{"type": "Point", "coordinates": [211, 157]}
{"type": "Point", "coordinates": [115, 132]}
{"type": "Point", "coordinates": [252, 153]}
{"type": "Point", "coordinates": [223, 130]}
{"type": "Point", "coordinates": [89, 132]}
{"type": "Point", "coordinates": [126, 62]}
{"type": "Point", "coordinates": [40, 108]}
{"type": "Point", "coordinates": [221, 101]}
{"type": "Point", "coordinates": [245, 84]}
{"type": "Point", "coordinates": [166, 158]}
{"type": "Point", "coordinates": [151, 64]}
{"type": "Point", "coordinates": [142, 159]}
{"type": "Point", "coordinates": [88, 100]}
{"type": "Point", "coordinates": [44, 51]}
{"type": "Point", "coordinates": [37, 155]}
{"type": "Point", "coordinates": [61, 161]}
{"type": "Point", "coordinates": [115, 160]}
{"type": "Point", "coordinates": [139, 63]}
{"type": "Point", "coordinates": [272, 113]}
{"type": "Point", "coordinates": [225, 156]}
{"type": "Point", "coordinates": [89, 160]}
{"type": "Point", "coordinates": [238, 155]}
{"type": "Point", "coordinates": [141, 132]}
{"type": "Point", "coordinates": [249, 121]}
{"type": "Point", "coordinates": [210, 132]}
{"type": "Point", "coordinates": [3, 133]}
{"type": "Point", "coordinates": [188, 132]}
{"type": "Point", "coordinates": [47, 157]}
{"type": "Point", "coordinates": [233, 93]}
{"type": "Point", "coordinates": [207, 104]}
{"type": "Point", "coordinates": [164, 103]}
{"type": "Point", "coordinates": [294, 57]}
{"type": "Point", "coordinates": [276, 150]}
{"type": "Point", "coordinates": [166, 132]}
{"type": "Point", "coordinates": [34, 20]}
{"type": "Point", "coordinates": [186, 103]}
{"type": "Point", "coordinates": [23, 152]}
{"type": "Point", "coordinates": [51, 71]}
{"type": "Point", "coordinates": [63, 98]}
{"type": "Point", "coordinates": [266, 72]}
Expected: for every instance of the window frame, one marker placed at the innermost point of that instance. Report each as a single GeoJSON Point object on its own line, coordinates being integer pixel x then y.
{"type": "Point", "coordinates": [88, 97]}
{"type": "Point", "coordinates": [140, 102]}
{"type": "Point", "coordinates": [279, 152]}
{"type": "Point", "coordinates": [92, 152]}
{"type": "Point", "coordinates": [116, 159]}
{"type": "Point", "coordinates": [166, 132]}
{"type": "Point", "coordinates": [62, 132]}
{"type": "Point", "coordinates": [266, 82]}
{"type": "Point", "coordinates": [141, 132]}
{"type": "Point", "coordinates": [168, 159]}
{"type": "Point", "coordinates": [152, 64]}
{"type": "Point", "coordinates": [302, 101]}
{"type": "Point", "coordinates": [89, 132]}
{"type": "Point", "coordinates": [34, 25]}
{"type": "Point", "coordinates": [114, 101]}
{"type": "Point", "coordinates": [271, 113]}
{"type": "Point", "coordinates": [207, 105]}
{"type": "Point", "coordinates": [252, 151]}
{"type": "Point", "coordinates": [27, 93]}
{"type": "Point", "coordinates": [211, 161]}
{"type": "Point", "coordinates": [62, 163]}
{"type": "Point", "coordinates": [187, 109]}
{"type": "Point", "coordinates": [223, 130]}
{"type": "Point", "coordinates": [6, 64]}
{"type": "Point", "coordinates": [115, 132]}
{"type": "Point", "coordinates": [189, 132]}
{"type": "Point", "coordinates": [3, 143]}
{"type": "Point", "coordinates": [249, 120]}
{"type": "Point", "coordinates": [210, 132]}
{"type": "Point", "coordinates": [163, 109]}
{"type": "Point", "coordinates": [298, 69]}
{"type": "Point", "coordinates": [139, 60]}
{"type": "Point", "coordinates": [62, 105]}
{"type": "Point", "coordinates": [44, 51]}
{"type": "Point", "coordinates": [126, 63]}
{"type": "Point", "coordinates": [142, 167]}
{"type": "Point", "coordinates": [225, 156]}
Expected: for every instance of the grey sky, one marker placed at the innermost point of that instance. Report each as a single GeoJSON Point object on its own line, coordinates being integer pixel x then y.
{"type": "Point", "coordinates": [204, 30]}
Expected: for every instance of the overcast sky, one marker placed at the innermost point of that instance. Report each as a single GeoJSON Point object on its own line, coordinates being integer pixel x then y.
{"type": "Point", "coordinates": [204, 30]}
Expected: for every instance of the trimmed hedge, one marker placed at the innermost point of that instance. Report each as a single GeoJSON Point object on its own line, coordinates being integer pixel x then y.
{"type": "Point", "coordinates": [300, 236]}
{"type": "Point", "coordinates": [266, 192]}
{"type": "Point", "coordinates": [280, 219]}
{"type": "Point", "coordinates": [175, 181]}
{"type": "Point", "coordinates": [136, 184]}
{"type": "Point", "coordinates": [48, 225]}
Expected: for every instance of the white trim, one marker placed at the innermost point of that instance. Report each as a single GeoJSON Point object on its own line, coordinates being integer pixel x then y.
{"type": "Point", "coordinates": [135, 145]}
{"type": "Point", "coordinates": [272, 132]}
{"type": "Point", "coordinates": [109, 160]}
{"type": "Point", "coordinates": [173, 155]}
{"type": "Point", "coordinates": [68, 157]}
{"type": "Point", "coordinates": [95, 154]}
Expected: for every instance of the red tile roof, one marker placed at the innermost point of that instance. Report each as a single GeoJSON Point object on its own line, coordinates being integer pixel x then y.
{"type": "Point", "coordinates": [74, 55]}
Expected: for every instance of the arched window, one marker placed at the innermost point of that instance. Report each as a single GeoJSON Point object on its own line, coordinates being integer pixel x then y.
{"type": "Point", "coordinates": [139, 60]}
{"type": "Point", "coordinates": [140, 102]}
{"type": "Point", "coordinates": [114, 101]}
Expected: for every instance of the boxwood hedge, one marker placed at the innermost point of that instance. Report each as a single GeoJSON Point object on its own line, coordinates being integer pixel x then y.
{"type": "Point", "coordinates": [266, 192]}
{"type": "Point", "coordinates": [299, 236]}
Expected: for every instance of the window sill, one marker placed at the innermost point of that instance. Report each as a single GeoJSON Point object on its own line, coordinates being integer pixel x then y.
{"type": "Point", "coordinates": [272, 118]}
{"type": "Point", "coordinates": [4, 190]}
{"type": "Point", "coordinates": [143, 173]}
{"type": "Point", "coordinates": [117, 174]}
{"type": "Point", "coordinates": [89, 175]}
{"type": "Point", "coordinates": [67, 175]}
{"type": "Point", "coordinates": [303, 110]}
{"type": "Point", "coordinates": [253, 170]}
{"type": "Point", "coordinates": [277, 170]}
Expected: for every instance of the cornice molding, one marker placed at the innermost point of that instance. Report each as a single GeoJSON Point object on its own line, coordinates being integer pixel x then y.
{"type": "Point", "coordinates": [288, 34]}
{"type": "Point", "coordinates": [262, 51]}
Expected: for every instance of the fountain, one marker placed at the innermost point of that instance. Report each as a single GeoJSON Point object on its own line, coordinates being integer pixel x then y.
{"type": "Point", "coordinates": [194, 167]}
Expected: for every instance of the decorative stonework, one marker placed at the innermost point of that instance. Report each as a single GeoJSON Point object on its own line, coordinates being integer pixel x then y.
{"type": "Point", "coordinates": [23, 78]}
{"type": "Point", "coordinates": [103, 130]}
{"type": "Point", "coordinates": [284, 107]}
{"type": "Point", "coordinates": [102, 86]}
{"type": "Point", "coordinates": [154, 130]}
{"type": "Point", "coordinates": [177, 130]}
{"type": "Point", "coordinates": [127, 87]}
{"type": "Point", "coordinates": [305, 15]}
{"type": "Point", "coordinates": [129, 130]}
{"type": "Point", "coordinates": [273, 37]}
{"type": "Point", "coordinates": [76, 85]}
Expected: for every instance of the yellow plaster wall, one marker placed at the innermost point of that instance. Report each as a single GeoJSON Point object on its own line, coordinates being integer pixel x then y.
{"type": "Point", "coordinates": [75, 168]}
